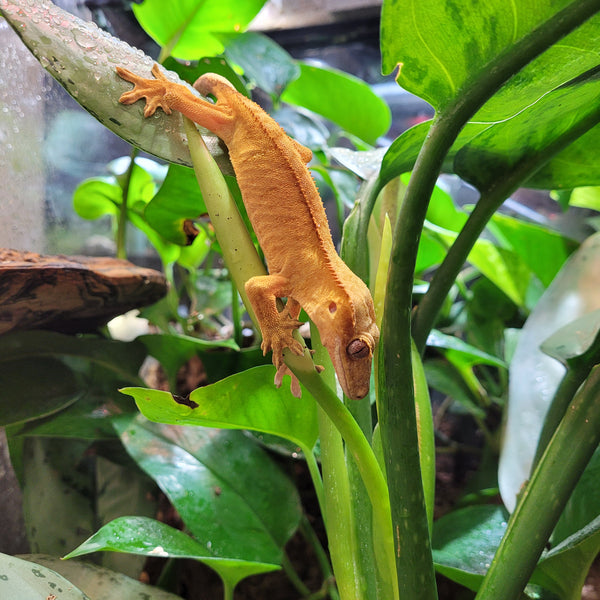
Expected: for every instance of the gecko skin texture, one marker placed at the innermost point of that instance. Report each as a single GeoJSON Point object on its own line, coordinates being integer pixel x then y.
{"type": "Point", "coordinates": [287, 214]}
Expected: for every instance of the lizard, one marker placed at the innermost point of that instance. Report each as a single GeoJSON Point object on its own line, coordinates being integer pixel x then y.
{"type": "Point", "coordinates": [288, 217]}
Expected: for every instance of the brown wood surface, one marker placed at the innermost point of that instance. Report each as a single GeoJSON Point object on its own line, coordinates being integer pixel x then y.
{"type": "Point", "coordinates": [71, 293]}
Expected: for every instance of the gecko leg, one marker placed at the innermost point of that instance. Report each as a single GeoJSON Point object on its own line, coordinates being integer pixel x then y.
{"type": "Point", "coordinates": [276, 327]}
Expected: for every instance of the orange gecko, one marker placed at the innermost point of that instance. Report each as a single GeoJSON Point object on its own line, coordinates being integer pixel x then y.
{"type": "Point", "coordinates": [287, 214]}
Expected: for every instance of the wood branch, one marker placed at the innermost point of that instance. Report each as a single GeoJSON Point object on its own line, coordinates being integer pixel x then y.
{"type": "Point", "coordinates": [71, 293]}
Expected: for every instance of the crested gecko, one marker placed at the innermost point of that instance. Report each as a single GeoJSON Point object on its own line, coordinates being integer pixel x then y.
{"type": "Point", "coordinates": [289, 220]}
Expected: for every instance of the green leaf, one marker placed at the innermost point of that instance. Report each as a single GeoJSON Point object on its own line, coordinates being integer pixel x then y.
{"type": "Point", "coordinates": [442, 46]}
{"type": "Point", "coordinates": [586, 197]}
{"type": "Point", "coordinates": [140, 535]}
{"type": "Point", "coordinates": [97, 582]}
{"type": "Point", "coordinates": [33, 390]}
{"type": "Point", "coordinates": [464, 543]}
{"type": "Point", "coordinates": [97, 197]}
{"type": "Point", "coordinates": [178, 199]}
{"type": "Point", "coordinates": [341, 98]}
{"type": "Point", "coordinates": [468, 353]}
{"type": "Point", "coordinates": [544, 251]}
{"type": "Point", "coordinates": [577, 165]}
{"type": "Point", "coordinates": [208, 64]}
{"type": "Point", "coordinates": [122, 359]}
{"type": "Point", "coordinates": [210, 475]}
{"type": "Point", "coordinates": [247, 400]}
{"type": "Point", "coordinates": [263, 61]}
{"type": "Point", "coordinates": [565, 568]}
{"type": "Point", "coordinates": [402, 154]}
{"type": "Point", "coordinates": [29, 581]}
{"type": "Point", "coordinates": [188, 28]}
{"type": "Point", "coordinates": [532, 135]}
{"type": "Point", "coordinates": [573, 339]}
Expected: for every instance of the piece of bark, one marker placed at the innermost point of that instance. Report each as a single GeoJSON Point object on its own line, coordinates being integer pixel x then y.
{"type": "Point", "coordinates": [71, 293]}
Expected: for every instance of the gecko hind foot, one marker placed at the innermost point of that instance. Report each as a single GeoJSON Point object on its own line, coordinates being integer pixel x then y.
{"type": "Point", "coordinates": [282, 371]}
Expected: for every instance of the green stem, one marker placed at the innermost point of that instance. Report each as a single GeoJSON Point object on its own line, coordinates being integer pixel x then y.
{"type": "Point", "coordinates": [311, 537]}
{"type": "Point", "coordinates": [396, 403]}
{"type": "Point", "coordinates": [293, 576]}
{"type": "Point", "coordinates": [578, 370]}
{"type": "Point", "coordinates": [122, 221]}
{"type": "Point", "coordinates": [550, 486]}
{"type": "Point", "coordinates": [227, 590]}
{"type": "Point", "coordinates": [315, 475]}
{"type": "Point", "coordinates": [489, 202]}
{"type": "Point", "coordinates": [243, 262]}
{"type": "Point", "coordinates": [236, 316]}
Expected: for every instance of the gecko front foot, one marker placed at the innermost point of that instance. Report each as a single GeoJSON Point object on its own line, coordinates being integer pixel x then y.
{"type": "Point", "coordinates": [154, 90]}
{"type": "Point", "coordinates": [280, 336]}
{"type": "Point", "coordinates": [295, 384]}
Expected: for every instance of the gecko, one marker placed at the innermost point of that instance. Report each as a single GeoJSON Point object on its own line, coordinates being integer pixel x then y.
{"type": "Point", "coordinates": [288, 217]}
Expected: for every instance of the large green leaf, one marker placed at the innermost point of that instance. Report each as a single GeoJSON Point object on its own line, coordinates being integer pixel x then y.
{"type": "Point", "coordinates": [140, 535]}
{"type": "Point", "coordinates": [565, 568]}
{"type": "Point", "coordinates": [341, 98]}
{"type": "Point", "coordinates": [97, 582]}
{"type": "Point", "coordinates": [188, 27]}
{"type": "Point", "coordinates": [532, 135]}
{"type": "Point", "coordinates": [464, 543]}
{"type": "Point", "coordinates": [178, 200]}
{"type": "Point", "coordinates": [247, 400]}
{"type": "Point", "coordinates": [30, 390]}
{"type": "Point", "coordinates": [224, 486]}
{"type": "Point", "coordinates": [264, 62]}
{"type": "Point", "coordinates": [544, 251]}
{"type": "Point", "coordinates": [577, 165]}
{"type": "Point", "coordinates": [82, 58]}
{"type": "Point", "coordinates": [442, 45]}
{"type": "Point", "coordinates": [26, 580]}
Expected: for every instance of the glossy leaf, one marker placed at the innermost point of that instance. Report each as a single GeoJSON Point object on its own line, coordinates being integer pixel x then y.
{"type": "Point", "coordinates": [97, 582]}
{"type": "Point", "coordinates": [96, 197]}
{"type": "Point", "coordinates": [263, 61]}
{"type": "Point", "coordinates": [188, 28]}
{"type": "Point", "coordinates": [586, 197]}
{"type": "Point", "coordinates": [26, 580]}
{"type": "Point", "coordinates": [208, 64]}
{"type": "Point", "coordinates": [140, 535]}
{"type": "Point", "coordinates": [402, 154]}
{"type": "Point", "coordinates": [343, 99]}
{"type": "Point", "coordinates": [573, 339]}
{"type": "Point", "coordinates": [468, 353]}
{"type": "Point", "coordinates": [178, 200]}
{"type": "Point", "coordinates": [531, 134]}
{"type": "Point", "coordinates": [544, 251]}
{"type": "Point", "coordinates": [123, 359]}
{"type": "Point", "coordinates": [72, 42]}
{"type": "Point", "coordinates": [247, 400]}
{"type": "Point", "coordinates": [443, 45]}
{"type": "Point", "coordinates": [33, 390]}
{"type": "Point", "coordinates": [464, 543]}
{"type": "Point", "coordinates": [577, 165]}
{"type": "Point", "coordinates": [224, 486]}
{"type": "Point", "coordinates": [564, 568]}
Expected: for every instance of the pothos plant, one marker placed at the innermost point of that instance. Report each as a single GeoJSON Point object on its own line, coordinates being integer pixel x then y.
{"type": "Point", "coordinates": [517, 103]}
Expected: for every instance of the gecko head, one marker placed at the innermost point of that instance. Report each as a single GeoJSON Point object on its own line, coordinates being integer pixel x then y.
{"type": "Point", "coordinates": [350, 340]}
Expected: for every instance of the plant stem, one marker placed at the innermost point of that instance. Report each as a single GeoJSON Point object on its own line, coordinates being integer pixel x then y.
{"type": "Point", "coordinates": [578, 370]}
{"type": "Point", "coordinates": [550, 486]}
{"type": "Point", "coordinates": [396, 402]}
{"type": "Point", "coordinates": [311, 537]}
{"type": "Point", "coordinates": [491, 199]}
{"type": "Point", "coordinates": [243, 262]}
{"type": "Point", "coordinates": [122, 221]}
{"type": "Point", "coordinates": [293, 576]}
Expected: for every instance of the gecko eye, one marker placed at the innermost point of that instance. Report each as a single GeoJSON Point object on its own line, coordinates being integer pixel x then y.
{"type": "Point", "coordinates": [358, 349]}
